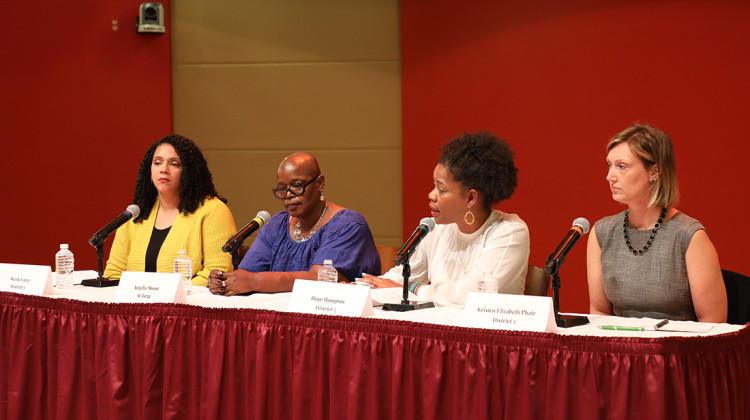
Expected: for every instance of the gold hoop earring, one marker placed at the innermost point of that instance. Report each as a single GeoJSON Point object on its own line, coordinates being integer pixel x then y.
{"type": "Point", "coordinates": [466, 217]}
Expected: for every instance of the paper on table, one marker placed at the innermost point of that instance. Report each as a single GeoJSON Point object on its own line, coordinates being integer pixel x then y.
{"type": "Point", "coordinates": [389, 295]}
{"type": "Point", "coordinates": [79, 276]}
{"type": "Point", "coordinates": [686, 326]}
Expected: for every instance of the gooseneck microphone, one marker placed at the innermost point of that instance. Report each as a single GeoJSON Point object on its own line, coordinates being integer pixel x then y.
{"type": "Point", "coordinates": [404, 253]}
{"type": "Point", "coordinates": [103, 233]}
{"type": "Point", "coordinates": [555, 260]}
{"type": "Point", "coordinates": [236, 241]}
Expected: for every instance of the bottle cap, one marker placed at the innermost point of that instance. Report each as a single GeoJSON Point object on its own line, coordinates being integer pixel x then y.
{"type": "Point", "coordinates": [327, 262]}
{"type": "Point", "coordinates": [63, 246]}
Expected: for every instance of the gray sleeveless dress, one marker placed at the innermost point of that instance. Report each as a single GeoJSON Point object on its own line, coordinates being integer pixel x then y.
{"type": "Point", "coordinates": [655, 284]}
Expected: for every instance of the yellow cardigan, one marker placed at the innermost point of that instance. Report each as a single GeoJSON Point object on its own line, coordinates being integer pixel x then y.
{"type": "Point", "coordinates": [201, 233]}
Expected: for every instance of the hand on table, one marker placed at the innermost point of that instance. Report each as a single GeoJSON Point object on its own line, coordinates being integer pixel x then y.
{"type": "Point", "coordinates": [229, 283]}
{"type": "Point", "coordinates": [378, 282]}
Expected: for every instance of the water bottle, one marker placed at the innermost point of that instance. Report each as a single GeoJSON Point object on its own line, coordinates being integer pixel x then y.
{"type": "Point", "coordinates": [328, 272]}
{"type": "Point", "coordinates": [183, 265]}
{"type": "Point", "coordinates": [64, 263]}
{"type": "Point", "coordinates": [487, 283]}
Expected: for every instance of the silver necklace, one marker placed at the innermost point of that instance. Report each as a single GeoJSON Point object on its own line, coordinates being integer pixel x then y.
{"type": "Point", "coordinates": [297, 234]}
{"type": "Point", "coordinates": [469, 251]}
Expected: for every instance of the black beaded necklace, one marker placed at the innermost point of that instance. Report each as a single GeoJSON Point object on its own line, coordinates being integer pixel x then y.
{"type": "Point", "coordinates": [645, 248]}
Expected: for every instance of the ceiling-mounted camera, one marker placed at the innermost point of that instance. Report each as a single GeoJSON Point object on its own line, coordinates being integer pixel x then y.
{"type": "Point", "coordinates": [151, 18]}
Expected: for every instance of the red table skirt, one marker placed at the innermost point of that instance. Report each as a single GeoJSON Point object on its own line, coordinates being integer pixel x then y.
{"type": "Point", "coordinates": [64, 359]}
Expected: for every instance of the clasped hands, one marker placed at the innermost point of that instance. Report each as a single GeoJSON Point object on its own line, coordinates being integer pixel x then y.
{"type": "Point", "coordinates": [229, 283]}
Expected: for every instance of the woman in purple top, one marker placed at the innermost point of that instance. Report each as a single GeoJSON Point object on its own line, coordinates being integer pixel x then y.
{"type": "Point", "coordinates": [295, 242]}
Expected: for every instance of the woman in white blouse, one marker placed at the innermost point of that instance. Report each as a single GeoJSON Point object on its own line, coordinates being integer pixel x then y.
{"type": "Point", "coordinates": [471, 240]}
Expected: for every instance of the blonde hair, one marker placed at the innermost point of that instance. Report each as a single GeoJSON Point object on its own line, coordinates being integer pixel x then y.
{"type": "Point", "coordinates": [653, 147]}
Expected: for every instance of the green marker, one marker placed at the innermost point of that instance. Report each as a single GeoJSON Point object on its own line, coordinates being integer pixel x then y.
{"type": "Point", "coordinates": [623, 328]}
{"type": "Point", "coordinates": [620, 328]}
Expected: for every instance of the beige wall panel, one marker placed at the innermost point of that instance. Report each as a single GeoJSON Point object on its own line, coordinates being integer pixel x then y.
{"type": "Point", "coordinates": [366, 181]}
{"type": "Point", "coordinates": [261, 31]}
{"type": "Point", "coordinates": [350, 105]}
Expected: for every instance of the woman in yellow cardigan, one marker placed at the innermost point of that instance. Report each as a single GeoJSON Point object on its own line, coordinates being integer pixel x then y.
{"type": "Point", "coordinates": [180, 209]}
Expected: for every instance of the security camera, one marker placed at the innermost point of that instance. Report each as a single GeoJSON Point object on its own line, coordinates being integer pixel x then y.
{"type": "Point", "coordinates": [151, 18]}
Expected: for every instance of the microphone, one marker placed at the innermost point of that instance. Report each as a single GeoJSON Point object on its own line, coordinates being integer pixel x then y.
{"type": "Point", "coordinates": [404, 253]}
{"type": "Point", "coordinates": [103, 233]}
{"type": "Point", "coordinates": [235, 241]}
{"type": "Point", "coordinates": [555, 260]}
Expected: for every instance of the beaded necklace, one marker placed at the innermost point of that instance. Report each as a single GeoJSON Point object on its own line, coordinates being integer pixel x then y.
{"type": "Point", "coordinates": [654, 231]}
{"type": "Point", "coordinates": [297, 233]}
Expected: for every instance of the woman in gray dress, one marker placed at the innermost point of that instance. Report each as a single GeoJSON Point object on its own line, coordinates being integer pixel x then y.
{"type": "Point", "coordinates": [651, 260]}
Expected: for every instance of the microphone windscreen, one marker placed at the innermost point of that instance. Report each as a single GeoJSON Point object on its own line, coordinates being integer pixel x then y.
{"type": "Point", "coordinates": [428, 222]}
{"type": "Point", "coordinates": [264, 216]}
{"type": "Point", "coordinates": [582, 223]}
{"type": "Point", "coordinates": [134, 210]}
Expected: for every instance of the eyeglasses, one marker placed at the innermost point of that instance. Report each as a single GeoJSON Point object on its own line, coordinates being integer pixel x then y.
{"type": "Point", "coordinates": [296, 189]}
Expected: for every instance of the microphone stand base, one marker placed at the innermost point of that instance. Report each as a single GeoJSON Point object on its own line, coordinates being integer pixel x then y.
{"type": "Point", "coordinates": [567, 321]}
{"type": "Point", "coordinates": [100, 283]}
{"type": "Point", "coordinates": [410, 306]}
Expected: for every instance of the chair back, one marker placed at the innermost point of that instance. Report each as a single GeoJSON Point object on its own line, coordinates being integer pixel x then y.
{"type": "Point", "coordinates": [387, 255]}
{"type": "Point", "coordinates": [738, 297]}
{"type": "Point", "coordinates": [537, 281]}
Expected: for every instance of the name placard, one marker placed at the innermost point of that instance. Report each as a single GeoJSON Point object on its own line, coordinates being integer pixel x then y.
{"type": "Point", "coordinates": [26, 279]}
{"type": "Point", "coordinates": [137, 287]}
{"type": "Point", "coordinates": [323, 298]}
{"type": "Point", "coordinates": [509, 312]}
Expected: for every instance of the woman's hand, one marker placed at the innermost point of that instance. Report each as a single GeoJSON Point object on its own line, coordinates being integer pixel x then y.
{"type": "Point", "coordinates": [378, 282]}
{"type": "Point", "coordinates": [230, 283]}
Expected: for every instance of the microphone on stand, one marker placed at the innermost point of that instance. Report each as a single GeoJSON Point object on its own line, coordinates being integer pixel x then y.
{"type": "Point", "coordinates": [235, 241]}
{"type": "Point", "coordinates": [404, 253]}
{"type": "Point", "coordinates": [97, 241]}
{"type": "Point", "coordinates": [552, 268]}
{"type": "Point", "coordinates": [555, 260]}
{"type": "Point", "coordinates": [402, 258]}
{"type": "Point", "coordinates": [99, 237]}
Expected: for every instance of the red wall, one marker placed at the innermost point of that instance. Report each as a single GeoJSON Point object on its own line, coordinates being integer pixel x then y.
{"type": "Point", "coordinates": [80, 105]}
{"type": "Point", "coordinates": [557, 80]}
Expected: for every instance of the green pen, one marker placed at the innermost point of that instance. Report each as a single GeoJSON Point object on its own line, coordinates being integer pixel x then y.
{"type": "Point", "coordinates": [623, 328]}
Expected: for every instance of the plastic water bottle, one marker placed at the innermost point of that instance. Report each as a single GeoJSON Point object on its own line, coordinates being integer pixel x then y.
{"type": "Point", "coordinates": [183, 265]}
{"type": "Point", "coordinates": [487, 283]}
{"type": "Point", "coordinates": [64, 265]}
{"type": "Point", "coordinates": [328, 272]}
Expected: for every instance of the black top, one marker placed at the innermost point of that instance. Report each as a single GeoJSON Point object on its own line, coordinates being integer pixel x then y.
{"type": "Point", "coordinates": [154, 245]}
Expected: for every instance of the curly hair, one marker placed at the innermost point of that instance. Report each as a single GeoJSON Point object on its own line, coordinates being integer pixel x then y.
{"type": "Point", "coordinates": [196, 181]}
{"type": "Point", "coordinates": [483, 162]}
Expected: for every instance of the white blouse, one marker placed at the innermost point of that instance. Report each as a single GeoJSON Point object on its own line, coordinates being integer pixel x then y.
{"type": "Point", "coordinates": [453, 261]}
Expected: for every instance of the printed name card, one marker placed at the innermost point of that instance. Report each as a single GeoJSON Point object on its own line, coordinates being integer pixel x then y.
{"type": "Point", "coordinates": [323, 298]}
{"type": "Point", "coordinates": [509, 312]}
{"type": "Point", "coordinates": [150, 288]}
{"type": "Point", "coordinates": [26, 279]}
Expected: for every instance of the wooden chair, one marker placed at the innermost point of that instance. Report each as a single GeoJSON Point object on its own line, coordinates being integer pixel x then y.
{"type": "Point", "coordinates": [537, 282]}
{"type": "Point", "coordinates": [387, 254]}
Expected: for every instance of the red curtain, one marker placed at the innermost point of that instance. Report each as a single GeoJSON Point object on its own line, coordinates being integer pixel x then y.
{"type": "Point", "coordinates": [63, 359]}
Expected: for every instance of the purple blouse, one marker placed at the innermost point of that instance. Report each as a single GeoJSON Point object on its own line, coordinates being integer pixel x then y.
{"type": "Point", "coordinates": [346, 240]}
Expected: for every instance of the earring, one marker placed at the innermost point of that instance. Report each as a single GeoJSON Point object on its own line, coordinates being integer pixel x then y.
{"type": "Point", "coordinates": [467, 215]}
{"type": "Point", "coordinates": [322, 197]}
{"type": "Point", "coordinates": [653, 180]}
